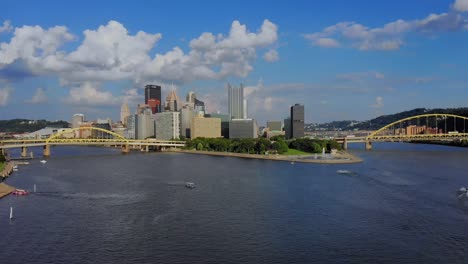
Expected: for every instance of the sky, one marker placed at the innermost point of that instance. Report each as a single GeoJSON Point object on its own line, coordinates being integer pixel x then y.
{"type": "Point", "coordinates": [344, 60]}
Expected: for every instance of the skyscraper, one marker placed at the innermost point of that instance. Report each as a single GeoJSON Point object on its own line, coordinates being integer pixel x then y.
{"type": "Point", "coordinates": [77, 120]}
{"type": "Point", "coordinates": [153, 92]}
{"type": "Point", "coordinates": [124, 113]}
{"type": "Point", "coordinates": [297, 121]}
{"type": "Point", "coordinates": [236, 103]}
{"type": "Point", "coordinates": [173, 103]}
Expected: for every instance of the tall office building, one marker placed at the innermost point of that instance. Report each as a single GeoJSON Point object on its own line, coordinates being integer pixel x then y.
{"type": "Point", "coordinates": [130, 130]}
{"type": "Point", "coordinates": [153, 92]}
{"type": "Point", "coordinates": [124, 113]}
{"type": "Point", "coordinates": [144, 123]}
{"type": "Point", "coordinates": [236, 103]}
{"type": "Point", "coordinates": [167, 125]}
{"type": "Point", "coordinates": [287, 128]}
{"type": "Point", "coordinates": [186, 115]}
{"type": "Point", "coordinates": [297, 121]}
{"type": "Point", "coordinates": [173, 103]}
{"type": "Point", "coordinates": [77, 120]}
{"type": "Point", "coordinates": [197, 105]}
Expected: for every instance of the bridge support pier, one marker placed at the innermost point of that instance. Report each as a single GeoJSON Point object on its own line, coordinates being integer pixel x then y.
{"type": "Point", "coordinates": [24, 152]}
{"type": "Point", "coordinates": [46, 151]}
{"type": "Point", "coordinates": [146, 148]}
{"type": "Point", "coordinates": [126, 149]}
{"type": "Point", "coordinates": [345, 144]}
{"type": "Point", "coordinates": [368, 145]}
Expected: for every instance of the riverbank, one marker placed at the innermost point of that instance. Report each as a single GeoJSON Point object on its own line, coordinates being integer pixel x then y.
{"type": "Point", "coordinates": [341, 157]}
{"type": "Point", "coordinates": [7, 169]}
{"type": "Point", "coordinates": [5, 190]}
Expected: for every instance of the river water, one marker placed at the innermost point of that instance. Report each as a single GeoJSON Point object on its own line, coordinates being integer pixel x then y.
{"type": "Point", "coordinates": [95, 205]}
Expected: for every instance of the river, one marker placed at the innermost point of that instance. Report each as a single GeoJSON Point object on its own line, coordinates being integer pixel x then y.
{"type": "Point", "coordinates": [95, 205]}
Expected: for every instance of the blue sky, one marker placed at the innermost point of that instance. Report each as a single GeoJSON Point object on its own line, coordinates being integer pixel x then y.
{"type": "Point", "coordinates": [341, 59]}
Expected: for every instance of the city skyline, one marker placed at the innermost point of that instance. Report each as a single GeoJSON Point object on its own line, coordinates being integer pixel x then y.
{"type": "Point", "coordinates": [355, 62]}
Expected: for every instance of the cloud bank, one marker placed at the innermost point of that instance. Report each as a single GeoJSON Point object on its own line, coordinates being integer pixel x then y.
{"type": "Point", "coordinates": [390, 36]}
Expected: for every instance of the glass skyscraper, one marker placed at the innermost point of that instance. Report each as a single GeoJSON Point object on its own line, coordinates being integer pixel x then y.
{"type": "Point", "coordinates": [236, 103]}
{"type": "Point", "coordinates": [153, 92]}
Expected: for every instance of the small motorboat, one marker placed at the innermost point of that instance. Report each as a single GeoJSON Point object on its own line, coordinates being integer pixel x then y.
{"type": "Point", "coordinates": [344, 172]}
{"type": "Point", "coordinates": [43, 161]}
{"type": "Point", "coordinates": [190, 185]}
{"type": "Point", "coordinates": [15, 167]}
{"type": "Point", "coordinates": [292, 162]}
{"type": "Point", "coordinates": [20, 192]}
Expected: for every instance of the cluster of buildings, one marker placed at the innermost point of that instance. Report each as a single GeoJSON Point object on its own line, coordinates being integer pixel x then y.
{"type": "Point", "coordinates": [417, 130]}
{"type": "Point", "coordinates": [177, 119]}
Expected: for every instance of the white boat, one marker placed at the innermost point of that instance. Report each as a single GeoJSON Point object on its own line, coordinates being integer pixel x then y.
{"type": "Point", "coordinates": [343, 172]}
{"type": "Point", "coordinates": [190, 185]}
{"type": "Point", "coordinates": [15, 167]}
{"type": "Point", "coordinates": [43, 161]}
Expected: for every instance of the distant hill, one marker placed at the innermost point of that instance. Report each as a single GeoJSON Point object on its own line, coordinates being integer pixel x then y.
{"type": "Point", "coordinates": [26, 125]}
{"type": "Point", "coordinates": [381, 121]}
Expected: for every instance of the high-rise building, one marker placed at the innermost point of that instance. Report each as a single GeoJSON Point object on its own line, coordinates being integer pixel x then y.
{"type": "Point", "coordinates": [191, 97]}
{"type": "Point", "coordinates": [297, 121]}
{"type": "Point", "coordinates": [287, 128]}
{"type": "Point", "coordinates": [236, 104]}
{"type": "Point", "coordinates": [197, 105]}
{"type": "Point", "coordinates": [173, 103]}
{"type": "Point", "coordinates": [243, 128]}
{"type": "Point", "coordinates": [144, 124]}
{"type": "Point", "coordinates": [124, 113]}
{"type": "Point", "coordinates": [153, 92]}
{"type": "Point", "coordinates": [206, 127]}
{"type": "Point", "coordinates": [155, 105]}
{"type": "Point", "coordinates": [167, 125]}
{"type": "Point", "coordinates": [130, 131]}
{"type": "Point", "coordinates": [186, 115]}
{"type": "Point", "coordinates": [77, 120]}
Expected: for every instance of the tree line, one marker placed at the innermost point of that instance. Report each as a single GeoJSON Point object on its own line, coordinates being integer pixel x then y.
{"type": "Point", "coordinates": [261, 145]}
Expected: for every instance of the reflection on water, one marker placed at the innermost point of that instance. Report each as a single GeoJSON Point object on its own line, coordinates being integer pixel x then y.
{"type": "Point", "coordinates": [94, 205]}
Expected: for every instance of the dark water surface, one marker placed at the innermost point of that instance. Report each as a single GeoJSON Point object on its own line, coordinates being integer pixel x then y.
{"type": "Point", "coordinates": [94, 205]}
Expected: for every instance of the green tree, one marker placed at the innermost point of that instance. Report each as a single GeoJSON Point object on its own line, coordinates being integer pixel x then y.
{"type": "Point", "coordinates": [200, 146]}
{"type": "Point", "coordinates": [280, 146]}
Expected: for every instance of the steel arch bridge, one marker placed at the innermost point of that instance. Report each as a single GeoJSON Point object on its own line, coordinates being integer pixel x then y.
{"type": "Point", "coordinates": [426, 127]}
{"type": "Point", "coordinates": [87, 136]}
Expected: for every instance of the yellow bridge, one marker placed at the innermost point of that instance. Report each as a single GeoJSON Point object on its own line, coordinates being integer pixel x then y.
{"type": "Point", "coordinates": [87, 136]}
{"type": "Point", "coordinates": [427, 127]}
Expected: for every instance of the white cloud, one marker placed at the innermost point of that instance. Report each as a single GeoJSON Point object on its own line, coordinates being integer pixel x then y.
{"type": "Point", "coordinates": [5, 94]}
{"type": "Point", "coordinates": [324, 42]}
{"type": "Point", "coordinates": [271, 55]}
{"type": "Point", "coordinates": [34, 45]}
{"type": "Point", "coordinates": [90, 94]}
{"type": "Point", "coordinates": [460, 5]}
{"type": "Point", "coordinates": [39, 97]}
{"type": "Point", "coordinates": [111, 53]}
{"type": "Point", "coordinates": [388, 37]}
{"type": "Point", "coordinates": [6, 27]}
{"type": "Point", "coordinates": [378, 103]}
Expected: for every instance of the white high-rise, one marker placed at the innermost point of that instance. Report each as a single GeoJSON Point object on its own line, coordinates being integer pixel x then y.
{"type": "Point", "coordinates": [236, 104]}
